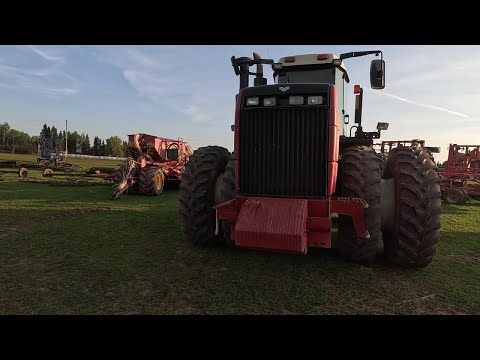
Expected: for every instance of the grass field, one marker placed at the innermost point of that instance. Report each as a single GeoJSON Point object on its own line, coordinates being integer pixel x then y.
{"type": "Point", "coordinates": [71, 250]}
{"type": "Point", "coordinates": [36, 174]}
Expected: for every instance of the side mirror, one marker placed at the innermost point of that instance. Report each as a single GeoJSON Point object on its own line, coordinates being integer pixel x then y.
{"type": "Point", "coordinates": [382, 126]}
{"type": "Point", "coordinates": [346, 119]}
{"type": "Point", "coordinates": [377, 74]}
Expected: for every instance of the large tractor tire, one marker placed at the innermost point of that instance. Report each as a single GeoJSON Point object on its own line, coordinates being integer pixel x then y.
{"type": "Point", "coordinates": [455, 196]}
{"type": "Point", "coordinates": [151, 180]}
{"type": "Point", "coordinates": [185, 195]}
{"type": "Point", "coordinates": [228, 193]}
{"type": "Point", "coordinates": [200, 191]}
{"type": "Point", "coordinates": [360, 177]}
{"type": "Point", "coordinates": [411, 208]}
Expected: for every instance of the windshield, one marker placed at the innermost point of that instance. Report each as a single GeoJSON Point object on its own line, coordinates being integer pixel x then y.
{"type": "Point", "coordinates": [305, 75]}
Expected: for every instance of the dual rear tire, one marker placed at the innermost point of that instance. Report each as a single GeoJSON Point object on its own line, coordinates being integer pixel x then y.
{"type": "Point", "coordinates": [406, 213]}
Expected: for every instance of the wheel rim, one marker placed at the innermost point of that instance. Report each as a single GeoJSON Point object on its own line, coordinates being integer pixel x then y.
{"type": "Point", "coordinates": [454, 197]}
{"type": "Point", "coordinates": [158, 180]}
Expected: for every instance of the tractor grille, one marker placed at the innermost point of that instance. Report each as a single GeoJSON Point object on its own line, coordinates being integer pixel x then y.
{"type": "Point", "coordinates": [283, 152]}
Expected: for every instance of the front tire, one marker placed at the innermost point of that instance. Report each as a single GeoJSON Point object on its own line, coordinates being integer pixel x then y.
{"type": "Point", "coordinates": [411, 240]}
{"type": "Point", "coordinates": [199, 193]}
{"type": "Point", "coordinates": [360, 178]}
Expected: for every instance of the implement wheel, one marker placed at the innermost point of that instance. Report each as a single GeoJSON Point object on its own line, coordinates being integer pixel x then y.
{"type": "Point", "coordinates": [151, 180]}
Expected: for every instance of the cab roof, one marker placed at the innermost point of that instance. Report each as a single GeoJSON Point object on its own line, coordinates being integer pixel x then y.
{"type": "Point", "coordinates": [311, 59]}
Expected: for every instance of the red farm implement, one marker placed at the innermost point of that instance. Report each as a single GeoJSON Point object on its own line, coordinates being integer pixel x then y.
{"type": "Point", "coordinates": [460, 174]}
{"type": "Point", "coordinates": [295, 163]}
{"type": "Point", "coordinates": [385, 147]}
{"type": "Point", "coordinates": [153, 162]}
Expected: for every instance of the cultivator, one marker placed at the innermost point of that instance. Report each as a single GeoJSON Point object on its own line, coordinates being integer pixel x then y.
{"type": "Point", "coordinates": [460, 175]}
{"type": "Point", "coordinates": [385, 147]}
{"type": "Point", "coordinates": [153, 162]}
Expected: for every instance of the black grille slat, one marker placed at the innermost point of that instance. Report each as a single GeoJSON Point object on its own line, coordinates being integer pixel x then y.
{"type": "Point", "coordinates": [283, 152]}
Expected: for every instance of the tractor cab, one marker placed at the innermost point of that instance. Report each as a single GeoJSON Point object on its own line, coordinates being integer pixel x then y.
{"type": "Point", "coordinates": [316, 68]}
{"type": "Point", "coordinates": [330, 69]}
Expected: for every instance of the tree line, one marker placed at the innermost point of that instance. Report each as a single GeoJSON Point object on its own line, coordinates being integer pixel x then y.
{"type": "Point", "coordinates": [15, 141]}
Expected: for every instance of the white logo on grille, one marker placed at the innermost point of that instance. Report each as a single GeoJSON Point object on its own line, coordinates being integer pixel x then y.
{"type": "Point", "coordinates": [284, 88]}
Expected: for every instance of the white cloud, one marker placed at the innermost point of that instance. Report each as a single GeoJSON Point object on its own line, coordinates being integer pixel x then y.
{"type": "Point", "coordinates": [428, 106]}
{"type": "Point", "coordinates": [47, 55]}
{"type": "Point", "coordinates": [47, 80]}
{"type": "Point", "coordinates": [155, 73]}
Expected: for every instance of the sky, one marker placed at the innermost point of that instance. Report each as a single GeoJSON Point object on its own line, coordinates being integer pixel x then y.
{"type": "Point", "coordinates": [188, 91]}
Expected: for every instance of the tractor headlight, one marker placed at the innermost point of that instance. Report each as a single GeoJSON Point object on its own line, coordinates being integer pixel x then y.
{"type": "Point", "coordinates": [315, 100]}
{"type": "Point", "coordinates": [270, 101]}
{"type": "Point", "coordinates": [295, 100]}
{"type": "Point", "coordinates": [252, 101]}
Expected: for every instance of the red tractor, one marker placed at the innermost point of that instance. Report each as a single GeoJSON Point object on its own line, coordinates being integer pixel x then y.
{"type": "Point", "coordinates": [154, 161]}
{"type": "Point", "coordinates": [294, 164]}
{"type": "Point", "coordinates": [460, 175]}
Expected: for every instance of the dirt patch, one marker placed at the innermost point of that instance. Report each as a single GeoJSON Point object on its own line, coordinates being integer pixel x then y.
{"type": "Point", "coordinates": [5, 231]}
{"type": "Point", "coordinates": [469, 258]}
{"type": "Point", "coordinates": [9, 230]}
{"type": "Point", "coordinates": [366, 269]}
{"type": "Point", "coordinates": [76, 212]}
{"type": "Point", "coordinates": [63, 182]}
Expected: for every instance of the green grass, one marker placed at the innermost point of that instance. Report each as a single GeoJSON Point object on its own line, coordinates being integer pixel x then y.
{"type": "Point", "coordinates": [129, 256]}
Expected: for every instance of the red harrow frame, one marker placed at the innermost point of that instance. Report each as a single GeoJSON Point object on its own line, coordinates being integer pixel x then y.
{"type": "Point", "coordinates": [460, 175]}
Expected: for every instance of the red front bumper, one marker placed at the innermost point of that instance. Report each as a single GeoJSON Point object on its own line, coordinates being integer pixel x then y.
{"type": "Point", "coordinates": [287, 224]}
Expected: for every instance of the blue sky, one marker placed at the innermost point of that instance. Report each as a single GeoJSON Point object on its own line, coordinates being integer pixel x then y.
{"type": "Point", "coordinates": [431, 92]}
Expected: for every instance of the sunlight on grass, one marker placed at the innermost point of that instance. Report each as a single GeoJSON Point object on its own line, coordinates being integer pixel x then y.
{"type": "Point", "coordinates": [72, 250]}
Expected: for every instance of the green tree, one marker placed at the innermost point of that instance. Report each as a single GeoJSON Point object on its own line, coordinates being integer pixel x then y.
{"type": "Point", "coordinates": [114, 146]}
{"type": "Point", "coordinates": [19, 141]}
{"type": "Point", "coordinates": [97, 146]}
{"type": "Point", "coordinates": [54, 137]}
{"type": "Point", "coordinates": [4, 131]}
{"type": "Point", "coordinates": [74, 143]}
{"type": "Point", "coordinates": [34, 142]}
{"type": "Point", "coordinates": [46, 132]}
{"type": "Point", "coordinates": [125, 149]}
{"type": "Point", "coordinates": [86, 145]}
{"type": "Point", "coordinates": [103, 149]}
